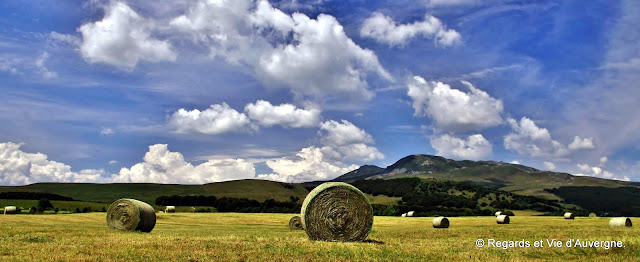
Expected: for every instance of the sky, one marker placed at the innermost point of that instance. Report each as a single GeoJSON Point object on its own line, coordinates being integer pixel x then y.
{"type": "Point", "coordinates": [204, 91]}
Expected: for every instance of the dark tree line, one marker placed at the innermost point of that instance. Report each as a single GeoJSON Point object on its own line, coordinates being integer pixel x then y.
{"type": "Point", "coordinates": [33, 196]}
{"type": "Point", "coordinates": [432, 197]}
{"type": "Point", "coordinates": [604, 201]}
{"type": "Point", "coordinates": [230, 204]}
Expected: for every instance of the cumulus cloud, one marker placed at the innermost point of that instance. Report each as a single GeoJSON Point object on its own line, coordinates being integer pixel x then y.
{"type": "Point", "coordinates": [587, 170]}
{"type": "Point", "coordinates": [163, 166]}
{"type": "Point", "coordinates": [341, 142]}
{"type": "Point", "coordinates": [105, 131]}
{"type": "Point", "coordinates": [383, 29]}
{"type": "Point", "coordinates": [603, 160]}
{"type": "Point", "coordinates": [515, 162]}
{"type": "Point", "coordinates": [549, 165]}
{"type": "Point", "coordinates": [21, 168]}
{"type": "Point", "coordinates": [122, 38]}
{"type": "Point", "coordinates": [312, 57]}
{"type": "Point", "coordinates": [528, 139]}
{"type": "Point", "coordinates": [217, 119]}
{"type": "Point", "coordinates": [475, 147]}
{"type": "Point", "coordinates": [286, 115]}
{"type": "Point", "coordinates": [452, 109]}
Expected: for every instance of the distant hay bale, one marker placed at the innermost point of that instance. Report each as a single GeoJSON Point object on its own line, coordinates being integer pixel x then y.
{"type": "Point", "coordinates": [11, 210]}
{"type": "Point", "coordinates": [502, 219]}
{"type": "Point", "coordinates": [403, 215]}
{"type": "Point", "coordinates": [131, 215]}
{"type": "Point", "coordinates": [568, 215]}
{"type": "Point", "coordinates": [295, 223]}
{"type": "Point", "coordinates": [336, 211]}
{"type": "Point", "coordinates": [440, 222]}
{"type": "Point", "coordinates": [498, 213]}
{"type": "Point", "coordinates": [620, 222]}
{"type": "Point", "coordinates": [170, 209]}
{"type": "Point", "coordinates": [192, 209]}
{"type": "Point", "coordinates": [593, 215]}
{"type": "Point", "coordinates": [410, 213]}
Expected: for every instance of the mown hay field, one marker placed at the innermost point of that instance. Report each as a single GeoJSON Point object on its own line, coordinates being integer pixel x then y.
{"type": "Point", "coordinates": [257, 237]}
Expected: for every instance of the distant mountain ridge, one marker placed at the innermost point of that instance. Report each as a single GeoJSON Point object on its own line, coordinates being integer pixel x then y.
{"type": "Point", "coordinates": [509, 177]}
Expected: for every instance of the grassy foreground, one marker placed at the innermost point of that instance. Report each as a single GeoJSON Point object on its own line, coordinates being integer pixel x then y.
{"type": "Point", "coordinates": [239, 237]}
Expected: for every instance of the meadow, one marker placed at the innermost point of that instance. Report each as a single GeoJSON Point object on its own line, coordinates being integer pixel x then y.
{"type": "Point", "coordinates": [259, 237]}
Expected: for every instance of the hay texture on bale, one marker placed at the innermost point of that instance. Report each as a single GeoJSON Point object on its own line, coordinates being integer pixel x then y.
{"type": "Point", "coordinates": [170, 209]}
{"type": "Point", "coordinates": [569, 215]}
{"type": "Point", "coordinates": [503, 219]}
{"type": "Point", "coordinates": [11, 210]}
{"type": "Point", "coordinates": [295, 223]}
{"type": "Point", "coordinates": [593, 215]}
{"type": "Point", "coordinates": [336, 211]}
{"type": "Point", "coordinates": [131, 215]}
{"type": "Point", "coordinates": [410, 213]}
{"type": "Point", "coordinates": [498, 213]}
{"type": "Point", "coordinates": [620, 222]}
{"type": "Point", "coordinates": [440, 222]}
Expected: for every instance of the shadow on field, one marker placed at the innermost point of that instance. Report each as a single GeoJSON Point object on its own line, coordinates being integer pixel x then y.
{"type": "Point", "coordinates": [373, 242]}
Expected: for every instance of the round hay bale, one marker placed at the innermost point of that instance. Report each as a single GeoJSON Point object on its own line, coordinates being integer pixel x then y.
{"type": "Point", "coordinates": [11, 210]}
{"type": "Point", "coordinates": [440, 222]}
{"type": "Point", "coordinates": [403, 215]}
{"type": "Point", "coordinates": [569, 215]}
{"type": "Point", "coordinates": [620, 222]}
{"type": "Point", "coordinates": [295, 223]}
{"type": "Point", "coordinates": [498, 213]}
{"type": "Point", "coordinates": [130, 214]}
{"type": "Point", "coordinates": [336, 211]}
{"type": "Point", "coordinates": [503, 219]}
{"type": "Point", "coordinates": [410, 213]}
{"type": "Point", "coordinates": [170, 209]}
{"type": "Point", "coordinates": [192, 209]}
{"type": "Point", "coordinates": [593, 215]}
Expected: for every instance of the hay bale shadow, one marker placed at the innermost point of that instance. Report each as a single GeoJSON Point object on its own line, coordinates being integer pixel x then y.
{"type": "Point", "coordinates": [373, 241]}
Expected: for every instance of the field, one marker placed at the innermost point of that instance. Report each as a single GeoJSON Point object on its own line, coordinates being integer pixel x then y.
{"type": "Point", "coordinates": [251, 237]}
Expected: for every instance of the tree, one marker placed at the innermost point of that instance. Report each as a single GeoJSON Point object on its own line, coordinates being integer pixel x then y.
{"type": "Point", "coordinates": [43, 204]}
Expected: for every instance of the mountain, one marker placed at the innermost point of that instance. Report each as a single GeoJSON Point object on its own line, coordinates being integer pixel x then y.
{"type": "Point", "coordinates": [361, 173]}
{"type": "Point", "coordinates": [509, 177]}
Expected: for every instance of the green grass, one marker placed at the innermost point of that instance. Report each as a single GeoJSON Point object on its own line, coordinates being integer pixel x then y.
{"type": "Point", "coordinates": [61, 205]}
{"type": "Point", "coordinates": [259, 237]}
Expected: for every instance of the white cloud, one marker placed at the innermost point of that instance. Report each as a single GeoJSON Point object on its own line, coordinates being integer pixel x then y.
{"type": "Point", "coordinates": [549, 165]}
{"type": "Point", "coordinates": [603, 160]}
{"type": "Point", "coordinates": [113, 162]}
{"type": "Point", "coordinates": [528, 139]}
{"type": "Point", "coordinates": [342, 142]}
{"type": "Point", "coordinates": [105, 131]}
{"type": "Point", "coordinates": [579, 143]}
{"type": "Point", "coordinates": [475, 147]}
{"type": "Point", "coordinates": [46, 73]}
{"type": "Point", "coordinates": [452, 109]}
{"type": "Point", "coordinates": [594, 171]}
{"type": "Point", "coordinates": [20, 168]}
{"type": "Point", "coordinates": [122, 38]}
{"type": "Point", "coordinates": [217, 119]}
{"type": "Point", "coordinates": [309, 164]}
{"type": "Point", "coordinates": [163, 166]}
{"type": "Point", "coordinates": [383, 29]}
{"type": "Point", "coordinates": [286, 115]}
{"type": "Point", "coordinates": [312, 57]}
{"type": "Point", "coordinates": [515, 162]}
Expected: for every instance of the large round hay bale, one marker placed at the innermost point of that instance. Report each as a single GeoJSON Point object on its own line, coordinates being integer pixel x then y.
{"type": "Point", "coordinates": [568, 215]}
{"type": "Point", "coordinates": [170, 209]}
{"type": "Point", "coordinates": [498, 213]}
{"type": "Point", "coordinates": [502, 219]}
{"type": "Point", "coordinates": [440, 222]}
{"type": "Point", "coordinates": [295, 223]}
{"type": "Point", "coordinates": [11, 210]}
{"type": "Point", "coordinates": [620, 222]}
{"type": "Point", "coordinates": [410, 213]}
{"type": "Point", "coordinates": [593, 215]}
{"type": "Point", "coordinates": [130, 214]}
{"type": "Point", "coordinates": [336, 211]}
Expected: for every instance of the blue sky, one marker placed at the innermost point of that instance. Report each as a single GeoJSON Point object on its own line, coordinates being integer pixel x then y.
{"type": "Point", "coordinates": [206, 91]}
